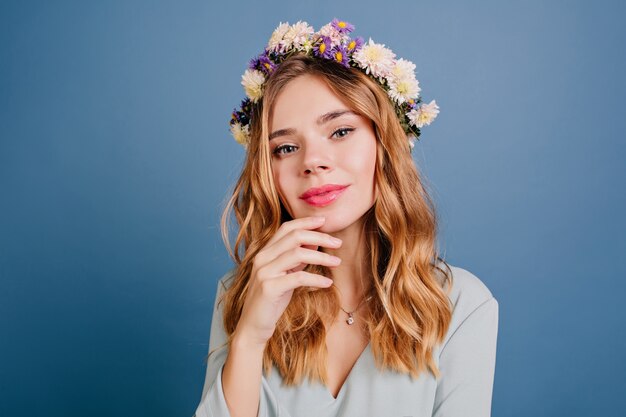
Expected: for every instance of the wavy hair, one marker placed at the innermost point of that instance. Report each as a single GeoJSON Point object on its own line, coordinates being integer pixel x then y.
{"type": "Point", "coordinates": [410, 309]}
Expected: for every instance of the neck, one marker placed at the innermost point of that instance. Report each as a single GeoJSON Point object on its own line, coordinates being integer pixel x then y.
{"type": "Point", "coordinates": [351, 277]}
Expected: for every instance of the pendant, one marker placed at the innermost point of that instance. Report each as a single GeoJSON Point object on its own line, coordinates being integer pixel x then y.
{"type": "Point", "coordinates": [350, 319]}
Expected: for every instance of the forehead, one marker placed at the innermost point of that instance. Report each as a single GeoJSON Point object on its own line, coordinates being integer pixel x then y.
{"type": "Point", "coordinates": [303, 98]}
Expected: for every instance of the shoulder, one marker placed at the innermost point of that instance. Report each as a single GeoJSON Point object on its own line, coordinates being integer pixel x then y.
{"type": "Point", "coordinates": [468, 291]}
{"type": "Point", "coordinates": [223, 283]}
{"type": "Point", "coordinates": [226, 280]}
{"type": "Point", "coordinates": [468, 294]}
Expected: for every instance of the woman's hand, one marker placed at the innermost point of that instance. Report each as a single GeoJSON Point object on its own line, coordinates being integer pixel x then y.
{"type": "Point", "coordinates": [277, 270]}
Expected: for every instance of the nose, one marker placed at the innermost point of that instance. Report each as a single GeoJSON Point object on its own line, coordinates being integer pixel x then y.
{"type": "Point", "coordinates": [316, 157]}
{"type": "Point", "coordinates": [316, 169]}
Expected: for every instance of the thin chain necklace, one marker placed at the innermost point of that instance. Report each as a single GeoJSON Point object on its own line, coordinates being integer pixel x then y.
{"type": "Point", "coordinates": [350, 319]}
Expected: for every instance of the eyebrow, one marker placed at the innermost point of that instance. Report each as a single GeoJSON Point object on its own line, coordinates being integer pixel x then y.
{"type": "Point", "coordinates": [324, 118]}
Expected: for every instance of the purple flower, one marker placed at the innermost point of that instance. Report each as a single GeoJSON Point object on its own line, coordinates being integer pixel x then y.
{"type": "Point", "coordinates": [339, 54]}
{"type": "Point", "coordinates": [323, 49]}
{"type": "Point", "coordinates": [262, 63]}
{"type": "Point", "coordinates": [266, 65]}
{"type": "Point", "coordinates": [342, 26]}
{"type": "Point", "coordinates": [354, 44]}
{"type": "Point", "coordinates": [254, 62]}
{"type": "Point", "coordinates": [242, 114]}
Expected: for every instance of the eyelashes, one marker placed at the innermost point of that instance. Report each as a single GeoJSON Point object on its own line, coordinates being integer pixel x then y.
{"type": "Point", "coordinates": [345, 131]}
{"type": "Point", "coordinates": [279, 149]}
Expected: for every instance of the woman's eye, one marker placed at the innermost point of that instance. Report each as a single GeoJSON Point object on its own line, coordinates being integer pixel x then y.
{"type": "Point", "coordinates": [343, 131]}
{"type": "Point", "coordinates": [279, 149]}
{"type": "Point", "coordinates": [287, 149]}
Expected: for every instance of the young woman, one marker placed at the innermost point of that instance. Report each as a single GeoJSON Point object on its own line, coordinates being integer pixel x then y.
{"type": "Point", "coordinates": [340, 304]}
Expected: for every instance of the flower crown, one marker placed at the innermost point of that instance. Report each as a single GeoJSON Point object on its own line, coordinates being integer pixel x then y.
{"type": "Point", "coordinates": [333, 42]}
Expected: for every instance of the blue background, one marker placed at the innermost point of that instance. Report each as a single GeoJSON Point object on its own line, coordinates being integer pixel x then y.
{"type": "Point", "coordinates": [115, 159]}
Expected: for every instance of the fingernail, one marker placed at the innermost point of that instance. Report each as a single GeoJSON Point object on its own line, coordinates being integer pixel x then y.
{"type": "Point", "coordinates": [336, 259]}
{"type": "Point", "coordinates": [319, 219]}
{"type": "Point", "coordinates": [335, 240]}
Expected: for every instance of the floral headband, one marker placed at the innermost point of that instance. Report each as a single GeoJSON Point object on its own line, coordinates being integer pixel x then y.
{"type": "Point", "coordinates": [333, 42]}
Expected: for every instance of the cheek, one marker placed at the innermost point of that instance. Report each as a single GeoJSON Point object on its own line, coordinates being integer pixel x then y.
{"type": "Point", "coordinates": [371, 172]}
{"type": "Point", "coordinates": [371, 158]}
{"type": "Point", "coordinates": [277, 181]}
{"type": "Point", "coordinates": [363, 161]}
{"type": "Point", "coordinates": [282, 185]}
{"type": "Point", "coordinates": [367, 161]}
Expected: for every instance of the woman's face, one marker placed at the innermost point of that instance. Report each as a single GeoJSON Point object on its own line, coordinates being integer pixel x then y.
{"type": "Point", "coordinates": [315, 140]}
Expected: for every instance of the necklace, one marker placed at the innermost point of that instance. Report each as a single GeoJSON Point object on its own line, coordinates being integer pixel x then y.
{"type": "Point", "coordinates": [350, 319]}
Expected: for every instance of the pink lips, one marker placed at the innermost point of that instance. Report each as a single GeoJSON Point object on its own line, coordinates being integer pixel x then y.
{"type": "Point", "coordinates": [324, 195]}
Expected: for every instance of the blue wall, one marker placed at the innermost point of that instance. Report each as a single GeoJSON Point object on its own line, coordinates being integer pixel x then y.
{"type": "Point", "coordinates": [115, 158]}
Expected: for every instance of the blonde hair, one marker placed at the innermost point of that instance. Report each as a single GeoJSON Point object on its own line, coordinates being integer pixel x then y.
{"type": "Point", "coordinates": [409, 311]}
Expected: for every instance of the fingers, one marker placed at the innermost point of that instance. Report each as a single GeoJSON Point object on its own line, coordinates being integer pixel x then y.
{"type": "Point", "coordinates": [277, 271]}
{"type": "Point", "coordinates": [302, 266]}
{"type": "Point", "coordinates": [293, 258]}
{"type": "Point", "coordinates": [294, 280]}
{"type": "Point", "coordinates": [301, 223]}
{"type": "Point", "coordinates": [299, 237]}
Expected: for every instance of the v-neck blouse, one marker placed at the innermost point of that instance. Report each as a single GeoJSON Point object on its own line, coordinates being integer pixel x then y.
{"type": "Point", "coordinates": [465, 358]}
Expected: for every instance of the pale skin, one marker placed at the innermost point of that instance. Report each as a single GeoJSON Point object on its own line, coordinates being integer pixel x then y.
{"type": "Point", "coordinates": [340, 149]}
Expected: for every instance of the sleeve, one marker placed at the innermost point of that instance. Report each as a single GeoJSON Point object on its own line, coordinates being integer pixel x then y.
{"type": "Point", "coordinates": [213, 402]}
{"type": "Point", "coordinates": [467, 365]}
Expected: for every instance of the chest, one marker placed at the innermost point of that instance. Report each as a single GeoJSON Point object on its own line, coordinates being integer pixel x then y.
{"type": "Point", "coordinates": [365, 392]}
{"type": "Point", "coordinates": [345, 345]}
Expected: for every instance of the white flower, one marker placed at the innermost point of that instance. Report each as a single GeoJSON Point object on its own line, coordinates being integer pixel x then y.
{"type": "Point", "coordinates": [424, 114]}
{"type": "Point", "coordinates": [307, 46]}
{"type": "Point", "coordinates": [402, 83]}
{"type": "Point", "coordinates": [240, 133]}
{"type": "Point", "coordinates": [275, 43]}
{"type": "Point", "coordinates": [252, 81]}
{"type": "Point", "coordinates": [374, 58]}
{"type": "Point", "coordinates": [335, 36]}
{"type": "Point", "coordinates": [297, 35]}
{"type": "Point", "coordinates": [403, 89]}
{"type": "Point", "coordinates": [403, 69]}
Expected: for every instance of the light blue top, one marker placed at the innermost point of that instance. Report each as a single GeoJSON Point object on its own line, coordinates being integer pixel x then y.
{"type": "Point", "coordinates": [466, 359]}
